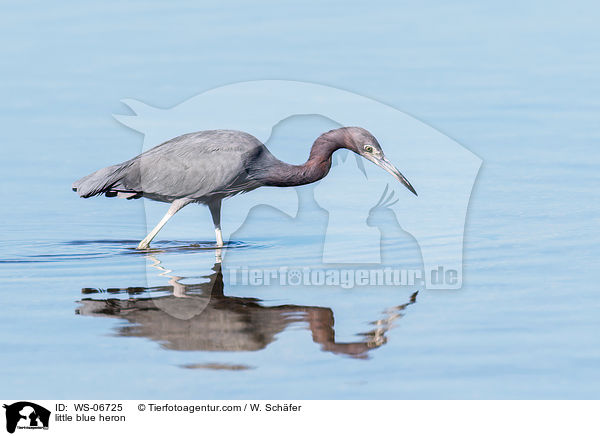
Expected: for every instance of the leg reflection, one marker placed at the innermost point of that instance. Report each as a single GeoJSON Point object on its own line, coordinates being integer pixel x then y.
{"type": "Point", "coordinates": [200, 316]}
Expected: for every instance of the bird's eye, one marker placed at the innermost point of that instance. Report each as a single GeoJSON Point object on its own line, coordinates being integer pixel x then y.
{"type": "Point", "coordinates": [369, 148]}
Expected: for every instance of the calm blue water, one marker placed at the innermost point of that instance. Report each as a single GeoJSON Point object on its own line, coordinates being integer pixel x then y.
{"type": "Point", "coordinates": [517, 85]}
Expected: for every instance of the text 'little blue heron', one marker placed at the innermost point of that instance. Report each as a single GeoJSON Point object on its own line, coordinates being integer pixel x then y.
{"type": "Point", "coordinates": [206, 167]}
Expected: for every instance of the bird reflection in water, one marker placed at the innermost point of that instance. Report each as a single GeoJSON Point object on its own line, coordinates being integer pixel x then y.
{"type": "Point", "coordinates": [200, 316]}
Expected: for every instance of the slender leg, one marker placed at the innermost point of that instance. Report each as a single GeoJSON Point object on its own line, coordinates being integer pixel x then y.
{"type": "Point", "coordinates": [175, 206]}
{"type": "Point", "coordinates": [215, 211]}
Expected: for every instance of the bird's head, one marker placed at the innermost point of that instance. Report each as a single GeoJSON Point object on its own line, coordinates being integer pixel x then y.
{"type": "Point", "coordinates": [363, 143]}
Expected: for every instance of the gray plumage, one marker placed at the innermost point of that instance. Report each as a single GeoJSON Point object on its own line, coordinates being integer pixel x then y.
{"type": "Point", "coordinates": [201, 166]}
{"type": "Point", "coordinates": [206, 167]}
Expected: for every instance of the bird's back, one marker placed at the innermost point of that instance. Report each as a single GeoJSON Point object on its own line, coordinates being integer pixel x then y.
{"type": "Point", "coordinates": [199, 166]}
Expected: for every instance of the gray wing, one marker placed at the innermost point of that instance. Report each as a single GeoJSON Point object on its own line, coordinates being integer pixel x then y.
{"type": "Point", "coordinates": [201, 165]}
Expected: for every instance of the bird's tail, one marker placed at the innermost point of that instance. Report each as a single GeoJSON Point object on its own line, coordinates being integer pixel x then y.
{"type": "Point", "coordinates": [107, 181]}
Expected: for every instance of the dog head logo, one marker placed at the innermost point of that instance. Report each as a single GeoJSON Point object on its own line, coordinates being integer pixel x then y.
{"type": "Point", "coordinates": [26, 415]}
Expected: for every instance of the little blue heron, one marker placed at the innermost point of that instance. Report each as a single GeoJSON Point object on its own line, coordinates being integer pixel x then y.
{"type": "Point", "coordinates": [206, 167]}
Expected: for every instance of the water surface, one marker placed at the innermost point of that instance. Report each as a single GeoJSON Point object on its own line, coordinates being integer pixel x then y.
{"type": "Point", "coordinates": [84, 314]}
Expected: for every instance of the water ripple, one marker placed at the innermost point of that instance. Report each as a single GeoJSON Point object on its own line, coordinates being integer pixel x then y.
{"type": "Point", "coordinates": [61, 251]}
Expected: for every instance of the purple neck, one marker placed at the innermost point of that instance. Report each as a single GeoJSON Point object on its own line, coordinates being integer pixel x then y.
{"type": "Point", "coordinates": [315, 168]}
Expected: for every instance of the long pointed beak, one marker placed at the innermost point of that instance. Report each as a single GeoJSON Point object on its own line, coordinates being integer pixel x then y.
{"type": "Point", "coordinates": [387, 165]}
